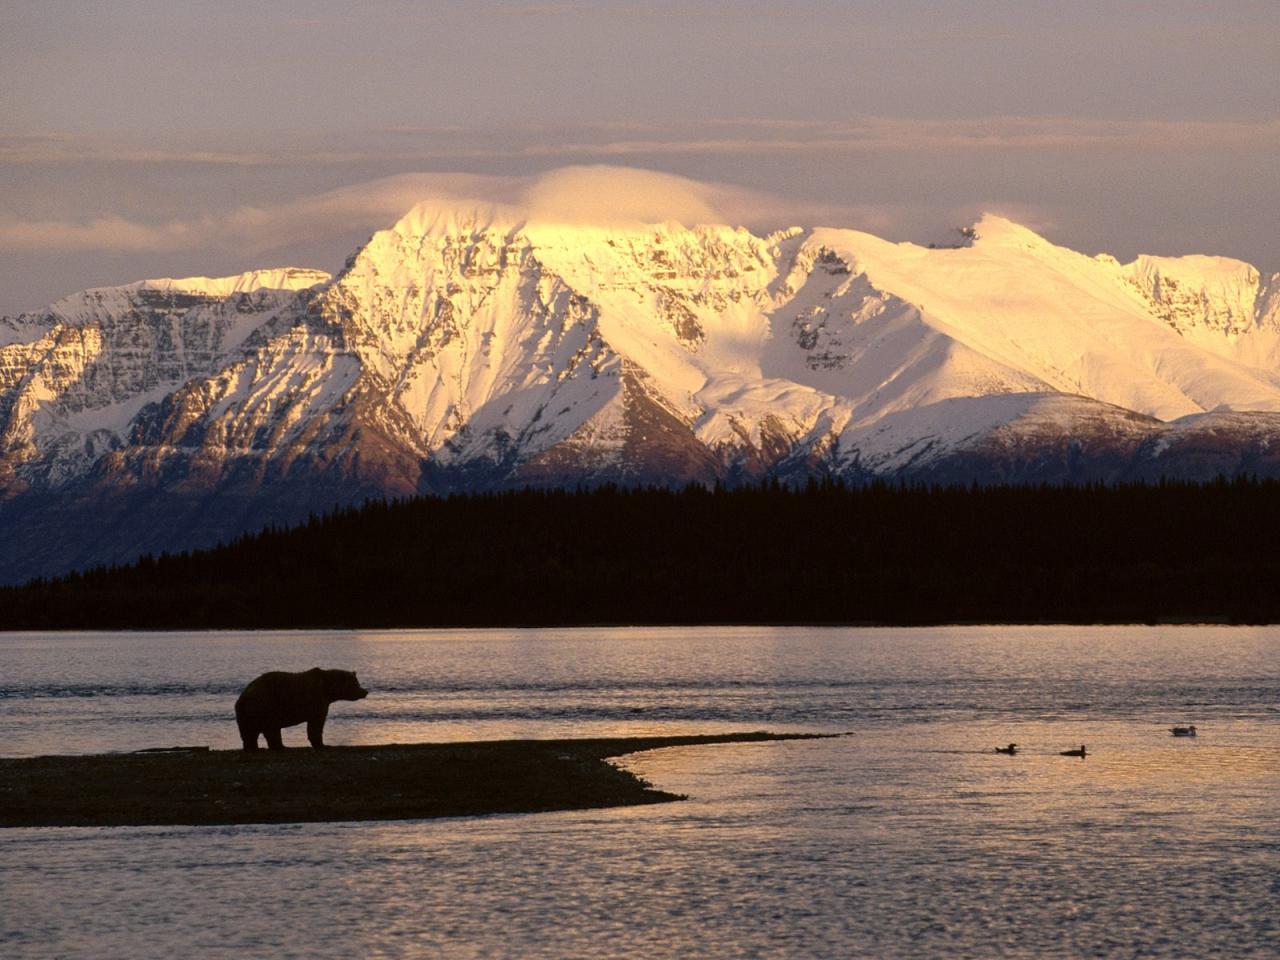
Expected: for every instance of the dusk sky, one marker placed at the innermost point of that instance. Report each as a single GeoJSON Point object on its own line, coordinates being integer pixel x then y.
{"type": "Point", "coordinates": [142, 139]}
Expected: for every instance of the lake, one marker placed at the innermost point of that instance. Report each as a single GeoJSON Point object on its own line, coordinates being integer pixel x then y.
{"type": "Point", "coordinates": [909, 837]}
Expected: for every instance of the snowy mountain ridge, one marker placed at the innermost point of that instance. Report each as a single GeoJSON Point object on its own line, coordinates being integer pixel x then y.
{"type": "Point", "coordinates": [477, 346]}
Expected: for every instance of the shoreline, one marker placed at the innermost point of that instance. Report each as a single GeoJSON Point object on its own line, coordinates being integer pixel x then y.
{"type": "Point", "coordinates": [201, 787]}
{"type": "Point", "coordinates": [1171, 621]}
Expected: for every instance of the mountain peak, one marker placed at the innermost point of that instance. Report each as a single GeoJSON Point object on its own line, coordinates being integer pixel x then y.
{"type": "Point", "coordinates": [993, 229]}
{"type": "Point", "coordinates": [449, 216]}
{"type": "Point", "coordinates": [272, 278]}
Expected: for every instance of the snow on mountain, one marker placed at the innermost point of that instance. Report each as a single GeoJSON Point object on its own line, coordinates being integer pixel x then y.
{"type": "Point", "coordinates": [74, 377]}
{"type": "Point", "coordinates": [1217, 303]}
{"type": "Point", "coordinates": [1070, 321]}
{"type": "Point", "coordinates": [1213, 295]}
{"type": "Point", "coordinates": [479, 345]}
{"type": "Point", "coordinates": [919, 442]}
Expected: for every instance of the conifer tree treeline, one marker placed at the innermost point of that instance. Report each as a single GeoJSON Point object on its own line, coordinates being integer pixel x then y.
{"type": "Point", "coordinates": [820, 554]}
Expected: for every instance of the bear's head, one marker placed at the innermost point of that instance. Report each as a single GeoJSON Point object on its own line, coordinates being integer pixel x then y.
{"type": "Point", "coordinates": [343, 685]}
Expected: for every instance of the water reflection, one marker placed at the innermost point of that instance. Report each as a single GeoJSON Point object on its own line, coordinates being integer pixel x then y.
{"type": "Point", "coordinates": [88, 693]}
{"type": "Point", "coordinates": [859, 846]}
{"type": "Point", "coordinates": [908, 838]}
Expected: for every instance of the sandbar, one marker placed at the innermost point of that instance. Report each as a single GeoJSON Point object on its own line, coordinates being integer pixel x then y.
{"type": "Point", "coordinates": [198, 786]}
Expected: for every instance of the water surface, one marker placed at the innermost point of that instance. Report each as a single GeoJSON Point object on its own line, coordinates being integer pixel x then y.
{"type": "Point", "coordinates": [909, 837]}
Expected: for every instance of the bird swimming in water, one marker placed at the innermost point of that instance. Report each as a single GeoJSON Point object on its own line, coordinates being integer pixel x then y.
{"type": "Point", "coordinates": [1189, 731]}
{"type": "Point", "coordinates": [1074, 753]}
{"type": "Point", "coordinates": [1011, 749]}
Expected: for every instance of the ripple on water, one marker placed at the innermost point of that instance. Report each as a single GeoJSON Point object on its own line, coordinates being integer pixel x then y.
{"type": "Point", "coordinates": [909, 838]}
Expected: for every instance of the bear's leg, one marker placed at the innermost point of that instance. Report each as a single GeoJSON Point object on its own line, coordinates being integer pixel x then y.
{"type": "Point", "coordinates": [273, 738]}
{"type": "Point", "coordinates": [248, 736]}
{"type": "Point", "coordinates": [315, 731]}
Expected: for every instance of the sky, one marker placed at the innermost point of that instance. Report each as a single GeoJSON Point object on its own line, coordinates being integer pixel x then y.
{"type": "Point", "coordinates": [145, 139]}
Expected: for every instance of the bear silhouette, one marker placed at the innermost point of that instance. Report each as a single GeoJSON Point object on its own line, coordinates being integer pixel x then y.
{"type": "Point", "coordinates": [280, 699]}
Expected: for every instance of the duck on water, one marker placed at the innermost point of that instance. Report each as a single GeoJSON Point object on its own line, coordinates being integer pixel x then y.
{"type": "Point", "coordinates": [1074, 753]}
{"type": "Point", "coordinates": [1187, 731]}
{"type": "Point", "coordinates": [1011, 749]}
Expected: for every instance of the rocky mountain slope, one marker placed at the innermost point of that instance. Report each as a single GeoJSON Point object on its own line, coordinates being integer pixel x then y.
{"type": "Point", "coordinates": [473, 347]}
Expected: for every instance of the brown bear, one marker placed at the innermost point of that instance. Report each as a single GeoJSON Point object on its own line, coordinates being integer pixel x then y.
{"type": "Point", "coordinates": [279, 699]}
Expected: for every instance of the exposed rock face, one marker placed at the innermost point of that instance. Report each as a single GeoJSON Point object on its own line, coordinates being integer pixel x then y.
{"type": "Point", "coordinates": [473, 349]}
{"type": "Point", "coordinates": [76, 380]}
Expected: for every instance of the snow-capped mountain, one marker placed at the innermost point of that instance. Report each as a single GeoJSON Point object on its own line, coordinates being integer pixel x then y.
{"type": "Point", "coordinates": [74, 377]}
{"type": "Point", "coordinates": [475, 346]}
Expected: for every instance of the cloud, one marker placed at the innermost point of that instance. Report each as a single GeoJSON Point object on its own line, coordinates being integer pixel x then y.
{"type": "Point", "coordinates": [874, 135]}
{"type": "Point", "coordinates": [249, 229]}
{"type": "Point", "coordinates": [575, 194]}
{"type": "Point", "coordinates": [610, 194]}
{"type": "Point", "coordinates": [104, 233]}
{"type": "Point", "coordinates": [591, 194]}
{"type": "Point", "coordinates": [603, 195]}
{"type": "Point", "coordinates": [619, 141]}
{"type": "Point", "coordinates": [594, 194]}
{"type": "Point", "coordinates": [58, 149]}
{"type": "Point", "coordinates": [879, 136]}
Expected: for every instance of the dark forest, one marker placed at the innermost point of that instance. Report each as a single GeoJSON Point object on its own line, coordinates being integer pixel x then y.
{"type": "Point", "coordinates": [822, 554]}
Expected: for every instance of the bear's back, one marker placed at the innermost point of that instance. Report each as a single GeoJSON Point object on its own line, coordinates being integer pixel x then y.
{"type": "Point", "coordinates": [283, 696]}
